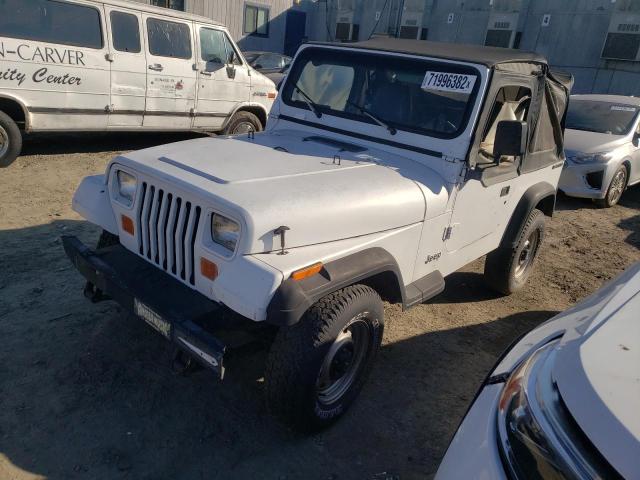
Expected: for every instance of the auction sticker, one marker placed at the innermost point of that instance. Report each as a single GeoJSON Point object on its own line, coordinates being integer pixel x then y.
{"type": "Point", "coordinates": [449, 82]}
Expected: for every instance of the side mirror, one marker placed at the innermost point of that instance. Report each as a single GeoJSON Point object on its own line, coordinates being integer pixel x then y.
{"type": "Point", "coordinates": [257, 66]}
{"type": "Point", "coordinates": [636, 139]}
{"type": "Point", "coordinates": [511, 139]}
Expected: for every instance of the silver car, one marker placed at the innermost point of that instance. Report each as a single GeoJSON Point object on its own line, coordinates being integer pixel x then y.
{"type": "Point", "coordinates": [602, 145]}
{"type": "Point", "coordinates": [562, 403]}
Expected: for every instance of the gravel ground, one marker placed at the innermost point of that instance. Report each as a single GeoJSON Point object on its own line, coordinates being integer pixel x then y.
{"type": "Point", "coordinates": [86, 392]}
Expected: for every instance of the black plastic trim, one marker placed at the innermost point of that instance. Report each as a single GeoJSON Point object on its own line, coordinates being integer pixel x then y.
{"type": "Point", "coordinates": [361, 136]}
{"type": "Point", "coordinates": [528, 202]}
{"type": "Point", "coordinates": [294, 298]}
{"type": "Point", "coordinates": [117, 274]}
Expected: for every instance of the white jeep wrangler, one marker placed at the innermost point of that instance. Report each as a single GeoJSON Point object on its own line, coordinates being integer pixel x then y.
{"type": "Point", "coordinates": [385, 166]}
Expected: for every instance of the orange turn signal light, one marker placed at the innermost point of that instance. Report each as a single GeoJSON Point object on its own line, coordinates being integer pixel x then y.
{"type": "Point", "coordinates": [306, 272]}
{"type": "Point", "coordinates": [271, 95]}
{"type": "Point", "coordinates": [127, 224]}
{"type": "Point", "coordinates": [208, 269]}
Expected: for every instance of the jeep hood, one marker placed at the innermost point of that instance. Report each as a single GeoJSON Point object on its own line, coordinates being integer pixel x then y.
{"type": "Point", "coordinates": [321, 189]}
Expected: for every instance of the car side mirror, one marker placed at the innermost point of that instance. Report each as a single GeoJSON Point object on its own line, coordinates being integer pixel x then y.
{"type": "Point", "coordinates": [257, 66]}
{"type": "Point", "coordinates": [511, 139]}
{"type": "Point", "coordinates": [636, 139]}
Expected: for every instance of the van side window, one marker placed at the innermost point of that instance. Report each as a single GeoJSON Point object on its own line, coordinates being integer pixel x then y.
{"type": "Point", "coordinates": [52, 22]}
{"type": "Point", "coordinates": [212, 46]}
{"type": "Point", "coordinates": [126, 32]}
{"type": "Point", "coordinates": [229, 47]}
{"type": "Point", "coordinates": [169, 39]}
{"type": "Point", "coordinates": [512, 103]}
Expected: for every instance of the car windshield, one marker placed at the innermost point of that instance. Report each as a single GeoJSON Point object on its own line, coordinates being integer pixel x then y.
{"type": "Point", "coordinates": [419, 96]}
{"type": "Point", "coordinates": [251, 57]}
{"type": "Point", "coordinates": [601, 117]}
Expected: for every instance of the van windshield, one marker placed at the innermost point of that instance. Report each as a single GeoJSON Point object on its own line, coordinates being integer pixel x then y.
{"type": "Point", "coordinates": [419, 96]}
{"type": "Point", "coordinates": [601, 117]}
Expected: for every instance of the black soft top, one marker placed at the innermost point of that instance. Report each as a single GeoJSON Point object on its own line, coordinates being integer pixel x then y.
{"type": "Point", "coordinates": [488, 56]}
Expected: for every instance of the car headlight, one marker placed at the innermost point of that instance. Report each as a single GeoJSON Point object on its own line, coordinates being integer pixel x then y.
{"type": "Point", "coordinates": [225, 232]}
{"type": "Point", "coordinates": [127, 184]}
{"type": "Point", "coordinates": [537, 436]}
{"type": "Point", "coordinates": [583, 158]}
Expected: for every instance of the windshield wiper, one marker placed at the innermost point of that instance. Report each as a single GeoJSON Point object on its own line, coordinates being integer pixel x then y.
{"type": "Point", "coordinates": [382, 123]}
{"type": "Point", "coordinates": [313, 106]}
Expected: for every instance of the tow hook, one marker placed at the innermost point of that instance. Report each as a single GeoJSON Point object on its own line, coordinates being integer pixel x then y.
{"type": "Point", "coordinates": [93, 293]}
{"type": "Point", "coordinates": [184, 364]}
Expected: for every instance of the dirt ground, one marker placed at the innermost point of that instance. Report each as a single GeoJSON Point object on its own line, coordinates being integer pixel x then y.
{"type": "Point", "coordinates": [86, 392]}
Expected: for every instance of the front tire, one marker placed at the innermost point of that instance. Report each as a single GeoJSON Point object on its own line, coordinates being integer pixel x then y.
{"type": "Point", "coordinates": [616, 188]}
{"type": "Point", "coordinates": [317, 367]}
{"type": "Point", "coordinates": [506, 270]}
{"type": "Point", "coordinates": [10, 140]}
{"type": "Point", "coordinates": [243, 122]}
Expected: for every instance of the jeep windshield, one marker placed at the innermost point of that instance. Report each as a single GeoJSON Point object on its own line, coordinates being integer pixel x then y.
{"type": "Point", "coordinates": [408, 94]}
{"type": "Point", "coordinates": [601, 117]}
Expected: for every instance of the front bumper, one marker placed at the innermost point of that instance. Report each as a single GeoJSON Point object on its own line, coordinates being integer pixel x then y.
{"type": "Point", "coordinates": [179, 313]}
{"type": "Point", "coordinates": [585, 181]}
{"type": "Point", "coordinates": [474, 451]}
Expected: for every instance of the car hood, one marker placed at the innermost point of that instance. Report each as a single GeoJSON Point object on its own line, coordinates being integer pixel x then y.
{"type": "Point", "coordinates": [591, 142]}
{"type": "Point", "coordinates": [597, 370]}
{"type": "Point", "coordinates": [321, 189]}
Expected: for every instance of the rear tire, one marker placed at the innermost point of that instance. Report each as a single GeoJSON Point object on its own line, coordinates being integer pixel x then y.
{"type": "Point", "coordinates": [243, 122]}
{"type": "Point", "coordinates": [616, 188]}
{"type": "Point", "coordinates": [317, 367]}
{"type": "Point", "coordinates": [10, 140]}
{"type": "Point", "coordinates": [506, 270]}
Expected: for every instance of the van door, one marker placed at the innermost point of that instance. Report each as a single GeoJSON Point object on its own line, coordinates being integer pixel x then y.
{"type": "Point", "coordinates": [128, 67]}
{"type": "Point", "coordinates": [57, 53]}
{"type": "Point", "coordinates": [171, 74]}
{"type": "Point", "coordinates": [224, 81]}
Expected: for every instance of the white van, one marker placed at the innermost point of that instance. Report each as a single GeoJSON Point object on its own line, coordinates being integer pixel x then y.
{"type": "Point", "coordinates": [87, 65]}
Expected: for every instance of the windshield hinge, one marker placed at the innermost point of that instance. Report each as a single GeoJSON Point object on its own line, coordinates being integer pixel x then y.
{"type": "Point", "coordinates": [447, 233]}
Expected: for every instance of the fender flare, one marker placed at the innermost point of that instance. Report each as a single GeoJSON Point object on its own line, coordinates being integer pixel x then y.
{"type": "Point", "coordinates": [21, 104]}
{"type": "Point", "coordinates": [293, 298]}
{"type": "Point", "coordinates": [533, 196]}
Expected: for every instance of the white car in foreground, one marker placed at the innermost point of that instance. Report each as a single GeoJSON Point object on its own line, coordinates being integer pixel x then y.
{"type": "Point", "coordinates": [602, 146]}
{"type": "Point", "coordinates": [563, 402]}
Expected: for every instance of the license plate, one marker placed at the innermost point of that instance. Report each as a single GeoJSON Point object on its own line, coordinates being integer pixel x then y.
{"type": "Point", "coordinates": [152, 318]}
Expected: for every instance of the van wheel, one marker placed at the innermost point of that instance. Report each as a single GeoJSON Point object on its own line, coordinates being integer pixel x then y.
{"type": "Point", "coordinates": [243, 122]}
{"type": "Point", "coordinates": [507, 269]}
{"type": "Point", "coordinates": [616, 188]}
{"type": "Point", "coordinates": [10, 140]}
{"type": "Point", "coordinates": [317, 367]}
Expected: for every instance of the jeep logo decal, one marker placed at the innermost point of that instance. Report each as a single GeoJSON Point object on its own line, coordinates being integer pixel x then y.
{"type": "Point", "coordinates": [431, 258]}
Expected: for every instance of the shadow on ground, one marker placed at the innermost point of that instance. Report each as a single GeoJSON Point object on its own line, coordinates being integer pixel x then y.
{"type": "Point", "coordinates": [67, 143]}
{"type": "Point", "coordinates": [88, 393]}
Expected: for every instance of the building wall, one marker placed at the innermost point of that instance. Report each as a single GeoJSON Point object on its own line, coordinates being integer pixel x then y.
{"type": "Point", "coordinates": [231, 14]}
{"type": "Point", "coordinates": [572, 40]}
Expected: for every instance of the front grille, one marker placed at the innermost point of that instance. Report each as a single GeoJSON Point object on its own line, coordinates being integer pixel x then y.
{"type": "Point", "coordinates": [167, 231]}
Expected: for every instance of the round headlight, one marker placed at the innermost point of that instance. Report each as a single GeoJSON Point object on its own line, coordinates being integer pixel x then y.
{"type": "Point", "coordinates": [126, 187]}
{"type": "Point", "coordinates": [225, 232]}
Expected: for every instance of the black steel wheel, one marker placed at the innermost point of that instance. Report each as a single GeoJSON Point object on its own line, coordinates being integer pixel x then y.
{"type": "Point", "coordinates": [317, 367]}
{"type": "Point", "coordinates": [507, 269]}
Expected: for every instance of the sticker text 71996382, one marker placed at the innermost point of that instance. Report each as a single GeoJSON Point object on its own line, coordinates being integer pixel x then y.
{"type": "Point", "coordinates": [448, 82]}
